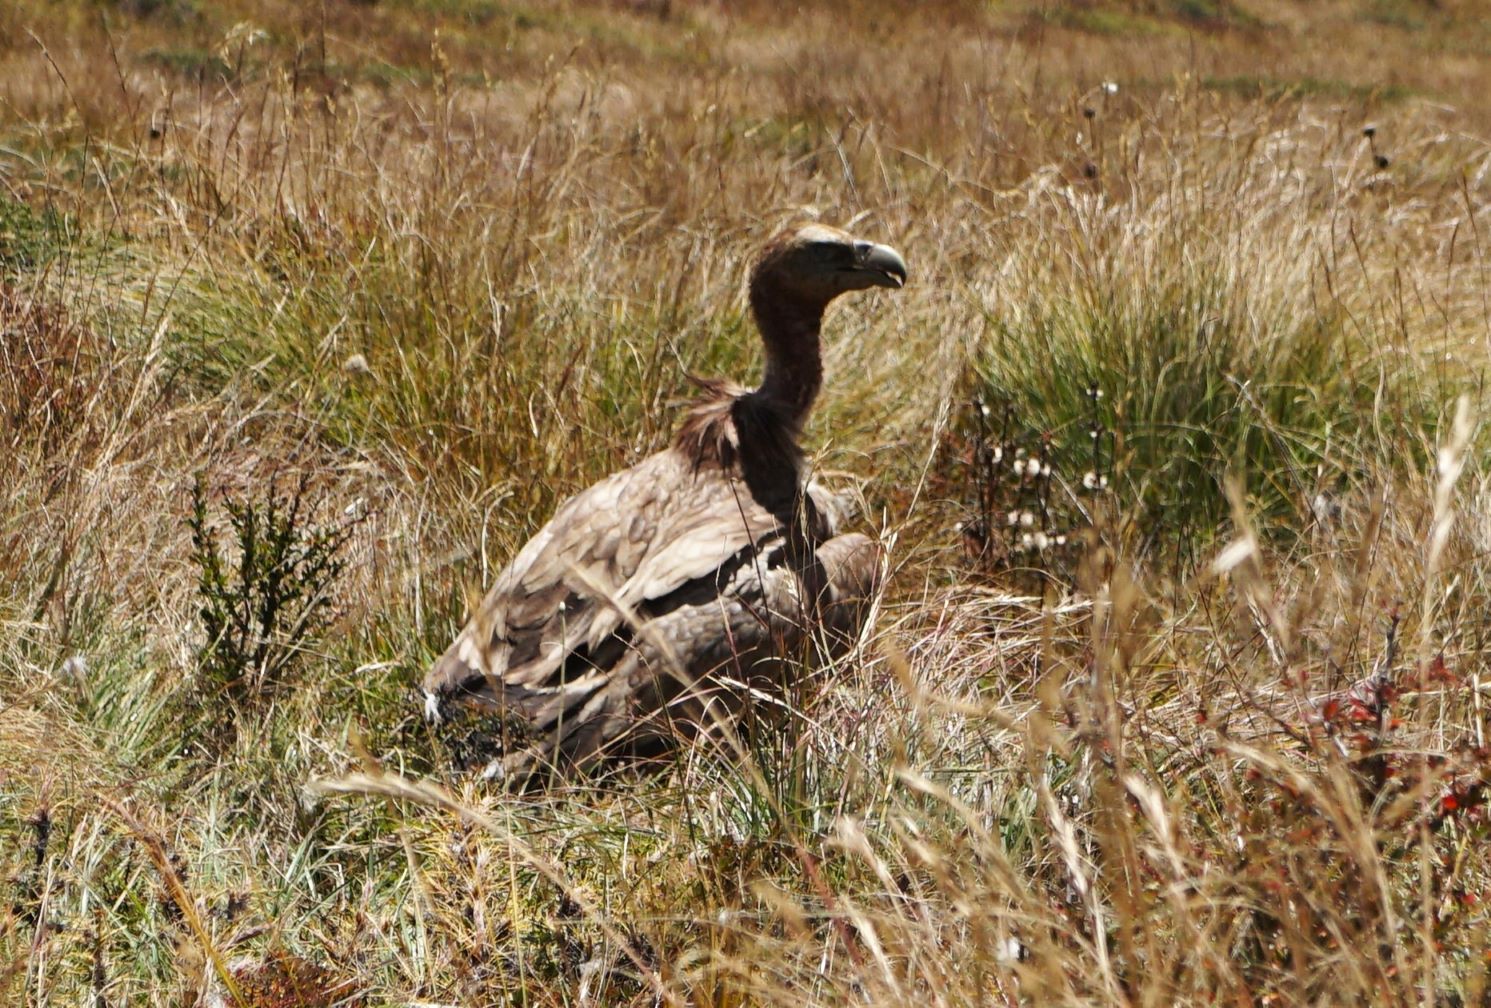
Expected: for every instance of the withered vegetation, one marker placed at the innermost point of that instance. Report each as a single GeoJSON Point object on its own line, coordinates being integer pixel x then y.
{"type": "Point", "coordinates": [1175, 694]}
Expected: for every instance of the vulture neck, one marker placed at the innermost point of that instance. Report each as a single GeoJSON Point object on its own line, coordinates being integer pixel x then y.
{"type": "Point", "coordinates": [756, 432]}
{"type": "Point", "coordinates": [794, 368]}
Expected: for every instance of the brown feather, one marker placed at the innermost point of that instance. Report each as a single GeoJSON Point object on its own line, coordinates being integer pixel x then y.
{"type": "Point", "coordinates": [656, 603]}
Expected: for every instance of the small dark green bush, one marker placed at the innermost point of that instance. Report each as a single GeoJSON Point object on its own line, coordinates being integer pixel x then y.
{"type": "Point", "coordinates": [269, 594]}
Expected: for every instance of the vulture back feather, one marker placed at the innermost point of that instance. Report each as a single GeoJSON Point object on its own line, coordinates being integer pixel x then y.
{"type": "Point", "coordinates": [664, 600]}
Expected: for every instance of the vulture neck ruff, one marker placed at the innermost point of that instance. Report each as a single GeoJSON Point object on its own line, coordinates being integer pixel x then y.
{"type": "Point", "coordinates": [758, 429]}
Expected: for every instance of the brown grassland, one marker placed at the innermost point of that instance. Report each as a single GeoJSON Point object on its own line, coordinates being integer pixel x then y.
{"type": "Point", "coordinates": [311, 312]}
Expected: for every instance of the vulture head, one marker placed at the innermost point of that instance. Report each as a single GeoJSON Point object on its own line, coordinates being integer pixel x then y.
{"type": "Point", "coordinates": [798, 273]}
{"type": "Point", "coordinates": [813, 264]}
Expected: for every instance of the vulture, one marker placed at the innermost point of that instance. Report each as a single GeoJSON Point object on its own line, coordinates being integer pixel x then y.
{"type": "Point", "coordinates": [672, 599]}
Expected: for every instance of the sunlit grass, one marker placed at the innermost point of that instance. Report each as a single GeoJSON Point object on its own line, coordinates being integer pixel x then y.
{"type": "Point", "coordinates": [439, 265]}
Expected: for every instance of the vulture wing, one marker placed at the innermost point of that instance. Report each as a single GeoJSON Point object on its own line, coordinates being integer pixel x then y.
{"type": "Point", "coordinates": [637, 589]}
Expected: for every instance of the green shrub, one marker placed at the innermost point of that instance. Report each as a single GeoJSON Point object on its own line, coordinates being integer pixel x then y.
{"type": "Point", "coordinates": [266, 597]}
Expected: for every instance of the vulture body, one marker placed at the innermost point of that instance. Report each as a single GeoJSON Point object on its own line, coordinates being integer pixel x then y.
{"type": "Point", "coordinates": [662, 601]}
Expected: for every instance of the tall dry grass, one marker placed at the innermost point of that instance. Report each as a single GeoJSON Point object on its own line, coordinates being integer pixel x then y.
{"type": "Point", "coordinates": [428, 268]}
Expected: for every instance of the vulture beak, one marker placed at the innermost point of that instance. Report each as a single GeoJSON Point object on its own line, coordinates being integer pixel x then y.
{"type": "Point", "coordinates": [880, 264]}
